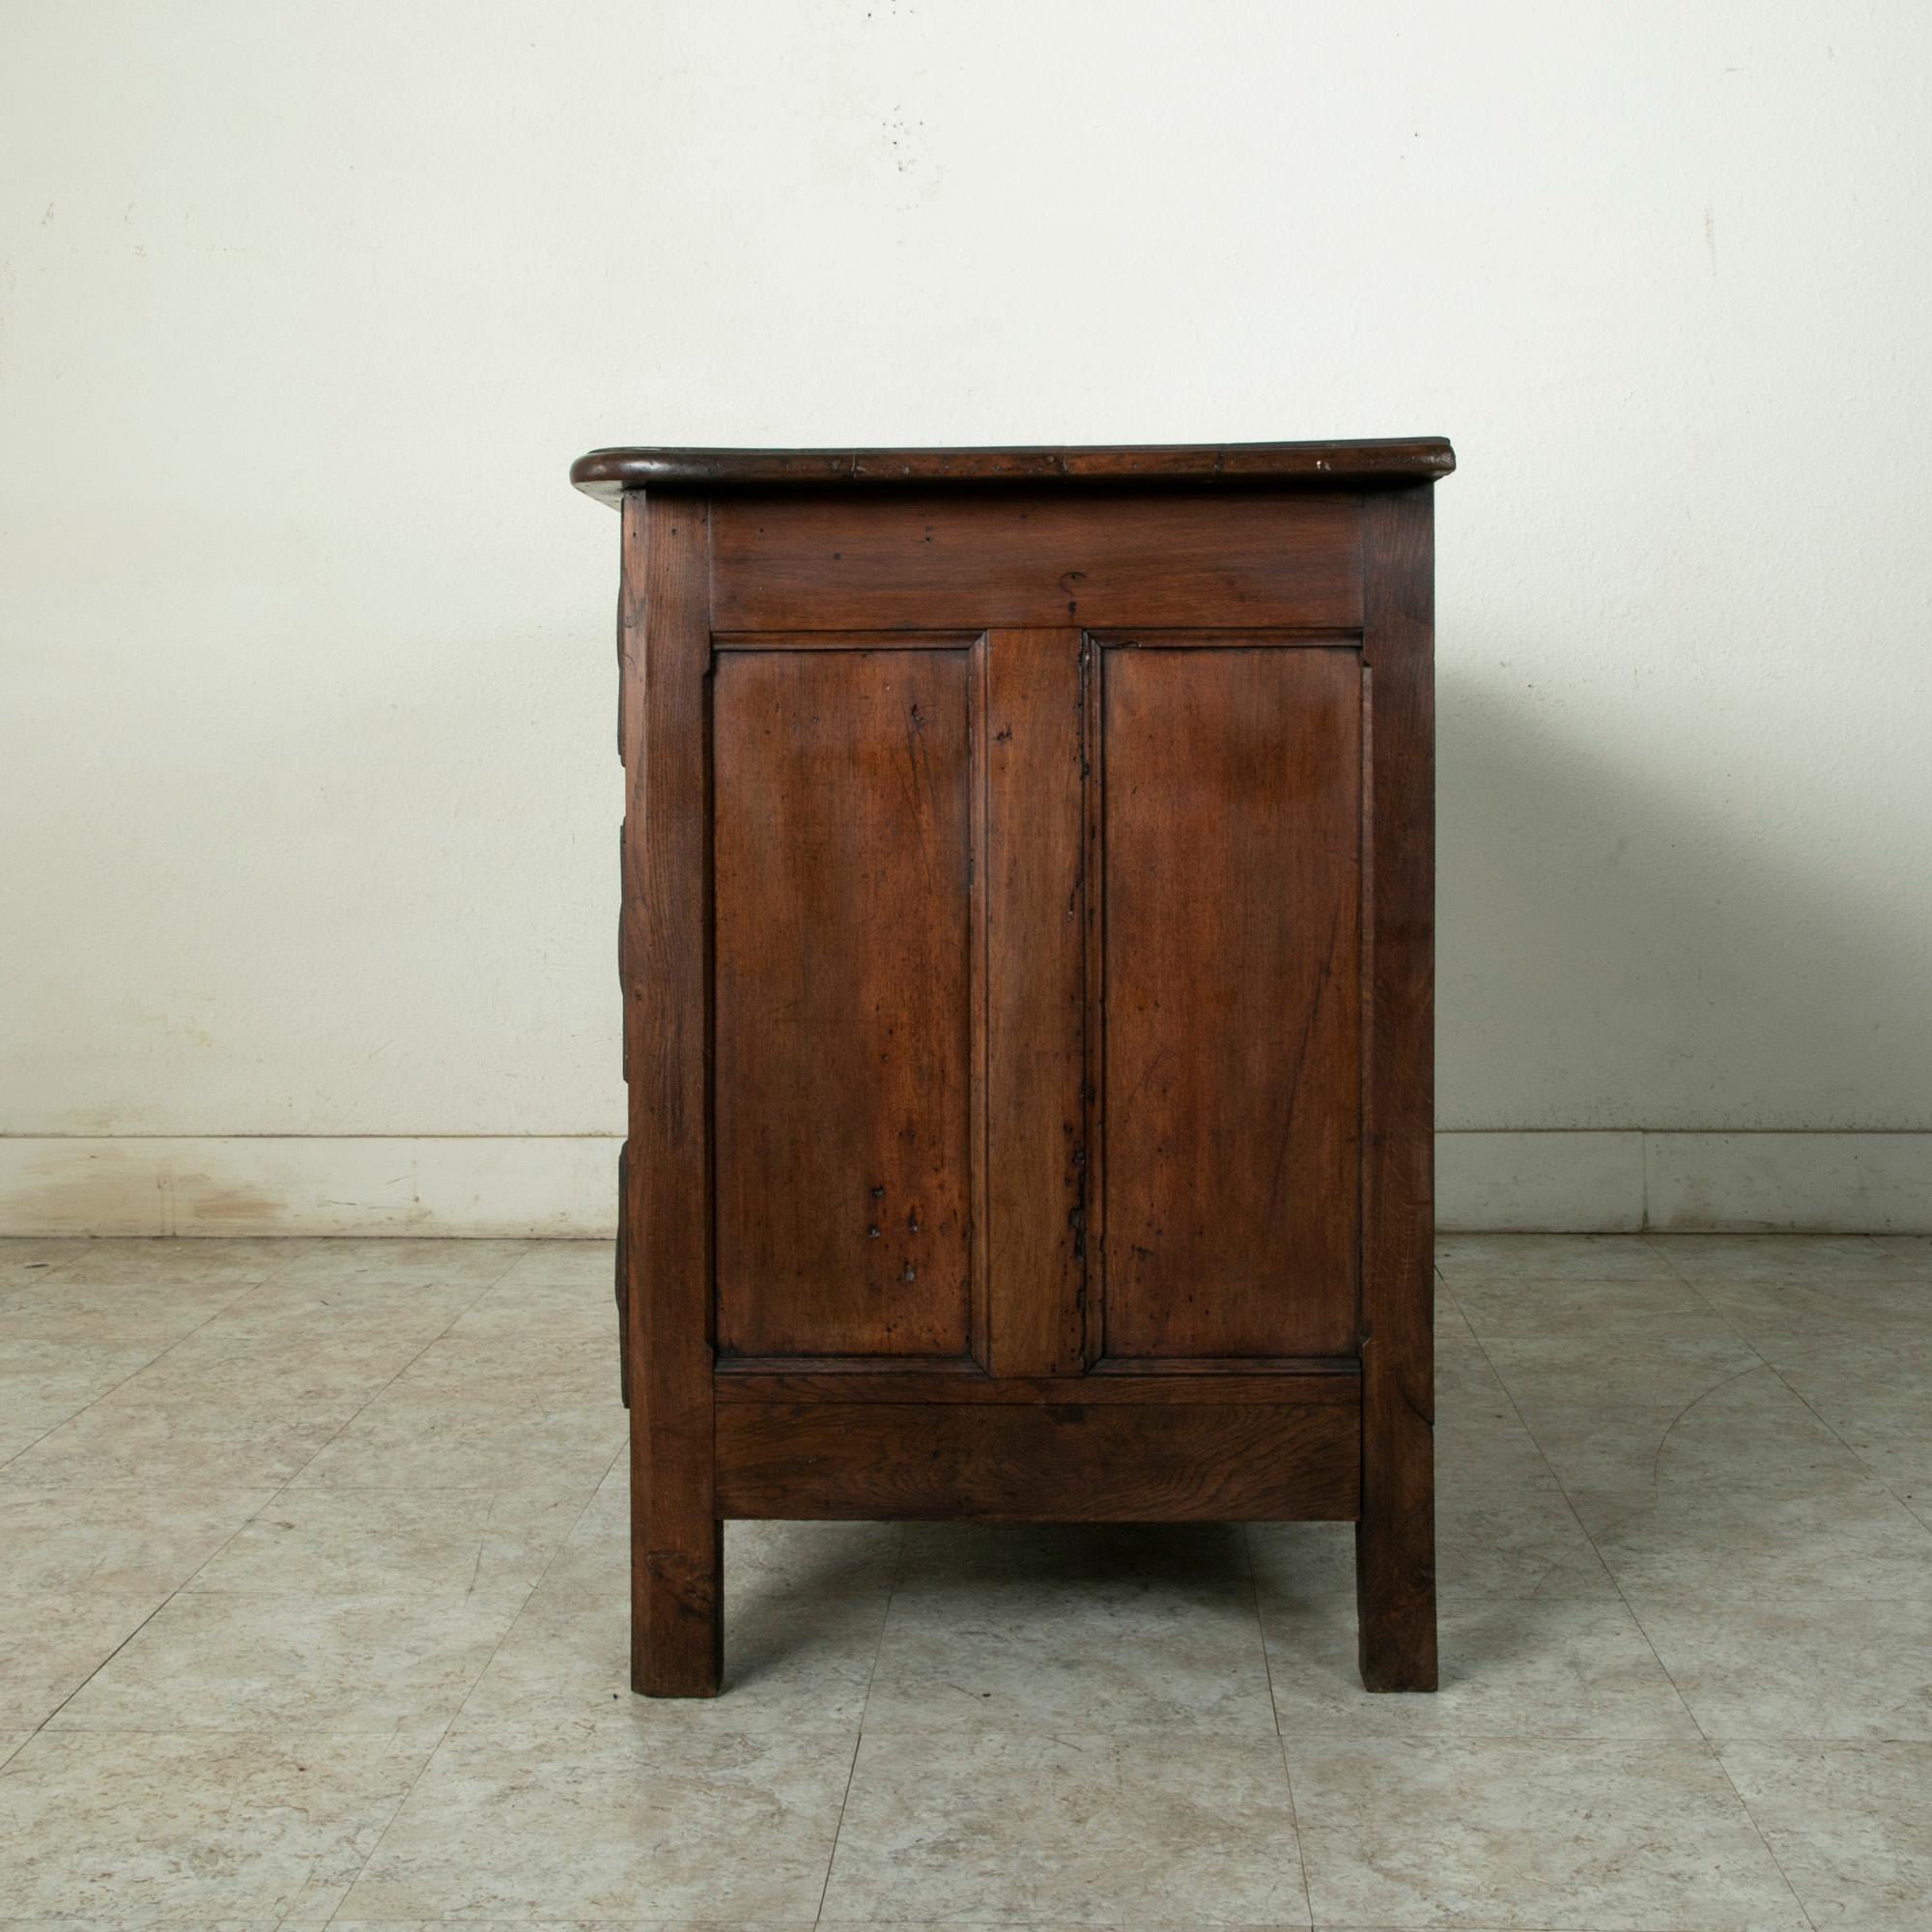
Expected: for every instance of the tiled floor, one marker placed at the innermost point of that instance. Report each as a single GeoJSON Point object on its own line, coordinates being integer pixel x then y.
{"type": "Point", "coordinates": [312, 1563]}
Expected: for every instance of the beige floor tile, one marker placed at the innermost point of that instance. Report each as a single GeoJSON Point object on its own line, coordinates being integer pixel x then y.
{"type": "Point", "coordinates": [1845, 1543]}
{"type": "Point", "coordinates": [1089, 1829]}
{"type": "Point", "coordinates": [1881, 1410]}
{"type": "Point", "coordinates": [124, 1442]}
{"type": "Point", "coordinates": [1524, 1543]}
{"type": "Point", "coordinates": [1638, 1307]}
{"type": "Point", "coordinates": [1915, 1251]}
{"type": "Point", "coordinates": [1735, 1258]}
{"type": "Point", "coordinates": [231, 1360]}
{"type": "Point", "coordinates": [1671, 1370]}
{"type": "Point", "coordinates": [29, 1412]}
{"type": "Point", "coordinates": [1644, 1837]}
{"type": "Point", "coordinates": [1482, 1454]}
{"type": "Point", "coordinates": [1466, 1382]}
{"type": "Point", "coordinates": [1878, 1312]}
{"type": "Point", "coordinates": [1549, 1668]}
{"type": "Point", "coordinates": [352, 1310]}
{"type": "Point", "coordinates": [440, 1442]}
{"type": "Point", "coordinates": [24, 1259]}
{"type": "Point", "coordinates": [1470, 1258]}
{"type": "Point", "coordinates": [385, 1263]}
{"type": "Point", "coordinates": [52, 1642]}
{"type": "Point", "coordinates": [598, 1821]}
{"type": "Point", "coordinates": [395, 1543]}
{"type": "Point", "coordinates": [34, 1400]}
{"type": "Point", "coordinates": [569, 1660]}
{"type": "Point", "coordinates": [1850, 1825]}
{"type": "Point", "coordinates": [1762, 1668]}
{"type": "Point", "coordinates": [1157, 1653]}
{"type": "Point", "coordinates": [510, 1312]}
{"type": "Point", "coordinates": [182, 1263]}
{"type": "Point", "coordinates": [511, 1368]}
{"type": "Point", "coordinates": [140, 1543]}
{"type": "Point", "coordinates": [1785, 1587]}
{"type": "Point", "coordinates": [253, 1662]}
{"type": "Point", "coordinates": [573, 1270]}
{"type": "Point", "coordinates": [168, 1830]}
{"type": "Point", "coordinates": [1750, 1434]}
{"type": "Point", "coordinates": [112, 1315]}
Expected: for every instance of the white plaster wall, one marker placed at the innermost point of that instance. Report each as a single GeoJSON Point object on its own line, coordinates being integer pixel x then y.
{"type": "Point", "coordinates": [306, 756]}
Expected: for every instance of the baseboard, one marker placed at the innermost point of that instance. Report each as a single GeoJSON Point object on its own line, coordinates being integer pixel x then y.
{"type": "Point", "coordinates": [1686, 1183]}
{"type": "Point", "coordinates": [564, 1185]}
{"type": "Point", "coordinates": [511, 1184]}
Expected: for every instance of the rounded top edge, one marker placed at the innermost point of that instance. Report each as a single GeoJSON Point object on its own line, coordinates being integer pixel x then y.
{"type": "Point", "coordinates": [608, 474]}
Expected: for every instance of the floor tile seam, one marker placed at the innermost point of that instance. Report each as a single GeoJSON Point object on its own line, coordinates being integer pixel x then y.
{"type": "Point", "coordinates": [1764, 1837]}
{"type": "Point", "coordinates": [1274, 1712]}
{"type": "Point", "coordinates": [114, 1388]}
{"type": "Point", "coordinates": [377, 1394]}
{"type": "Point", "coordinates": [267, 1504]}
{"type": "Point", "coordinates": [509, 1629]}
{"type": "Point", "coordinates": [522, 1609]}
{"type": "Point", "coordinates": [1616, 1582]}
{"type": "Point", "coordinates": [396, 1811]}
{"type": "Point", "coordinates": [1708, 1747]}
{"type": "Point", "coordinates": [284, 1489]}
{"type": "Point", "coordinates": [864, 1707]}
{"type": "Point", "coordinates": [885, 1627]}
{"type": "Point", "coordinates": [1827, 1424]}
{"type": "Point", "coordinates": [299, 1244]}
{"type": "Point", "coordinates": [448, 1723]}
{"type": "Point", "coordinates": [844, 1799]}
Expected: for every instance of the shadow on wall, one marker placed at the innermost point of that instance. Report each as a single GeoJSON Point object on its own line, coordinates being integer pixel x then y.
{"type": "Point", "coordinates": [1635, 936]}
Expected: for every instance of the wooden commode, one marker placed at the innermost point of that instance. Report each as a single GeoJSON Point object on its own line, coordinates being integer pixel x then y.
{"type": "Point", "coordinates": [1028, 876]}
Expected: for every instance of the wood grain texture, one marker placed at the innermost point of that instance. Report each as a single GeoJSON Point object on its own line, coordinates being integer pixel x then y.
{"type": "Point", "coordinates": [676, 1542]}
{"type": "Point", "coordinates": [606, 473]}
{"type": "Point", "coordinates": [1032, 852]}
{"type": "Point", "coordinates": [1230, 867]}
{"type": "Point", "coordinates": [1319, 1383]}
{"type": "Point", "coordinates": [1395, 1540]}
{"type": "Point", "coordinates": [1039, 1462]}
{"type": "Point", "coordinates": [1036, 1027]}
{"type": "Point", "coordinates": [935, 559]}
{"type": "Point", "coordinates": [845, 1085]}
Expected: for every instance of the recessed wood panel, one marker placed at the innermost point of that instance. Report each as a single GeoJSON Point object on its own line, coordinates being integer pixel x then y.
{"type": "Point", "coordinates": [927, 559]}
{"type": "Point", "coordinates": [844, 932]}
{"type": "Point", "coordinates": [1229, 826]}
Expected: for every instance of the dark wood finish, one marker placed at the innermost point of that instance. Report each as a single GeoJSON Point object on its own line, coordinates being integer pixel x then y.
{"type": "Point", "coordinates": [1207, 1461]}
{"type": "Point", "coordinates": [606, 473]}
{"type": "Point", "coordinates": [842, 881]}
{"type": "Point", "coordinates": [1036, 1027]}
{"type": "Point", "coordinates": [933, 559]}
{"type": "Point", "coordinates": [1301, 1383]}
{"type": "Point", "coordinates": [1395, 1539]}
{"type": "Point", "coordinates": [1229, 872]}
{"type": "Point", "coordinates": [623, 1258]}
{"type": "Point", "coordinates": [677, 1553]}
{"type": "Point", "coordinates": [1038, 874]}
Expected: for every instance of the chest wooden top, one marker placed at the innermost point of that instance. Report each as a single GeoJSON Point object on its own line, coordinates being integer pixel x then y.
{"type": "Point", "coordinates": [606, 473]}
